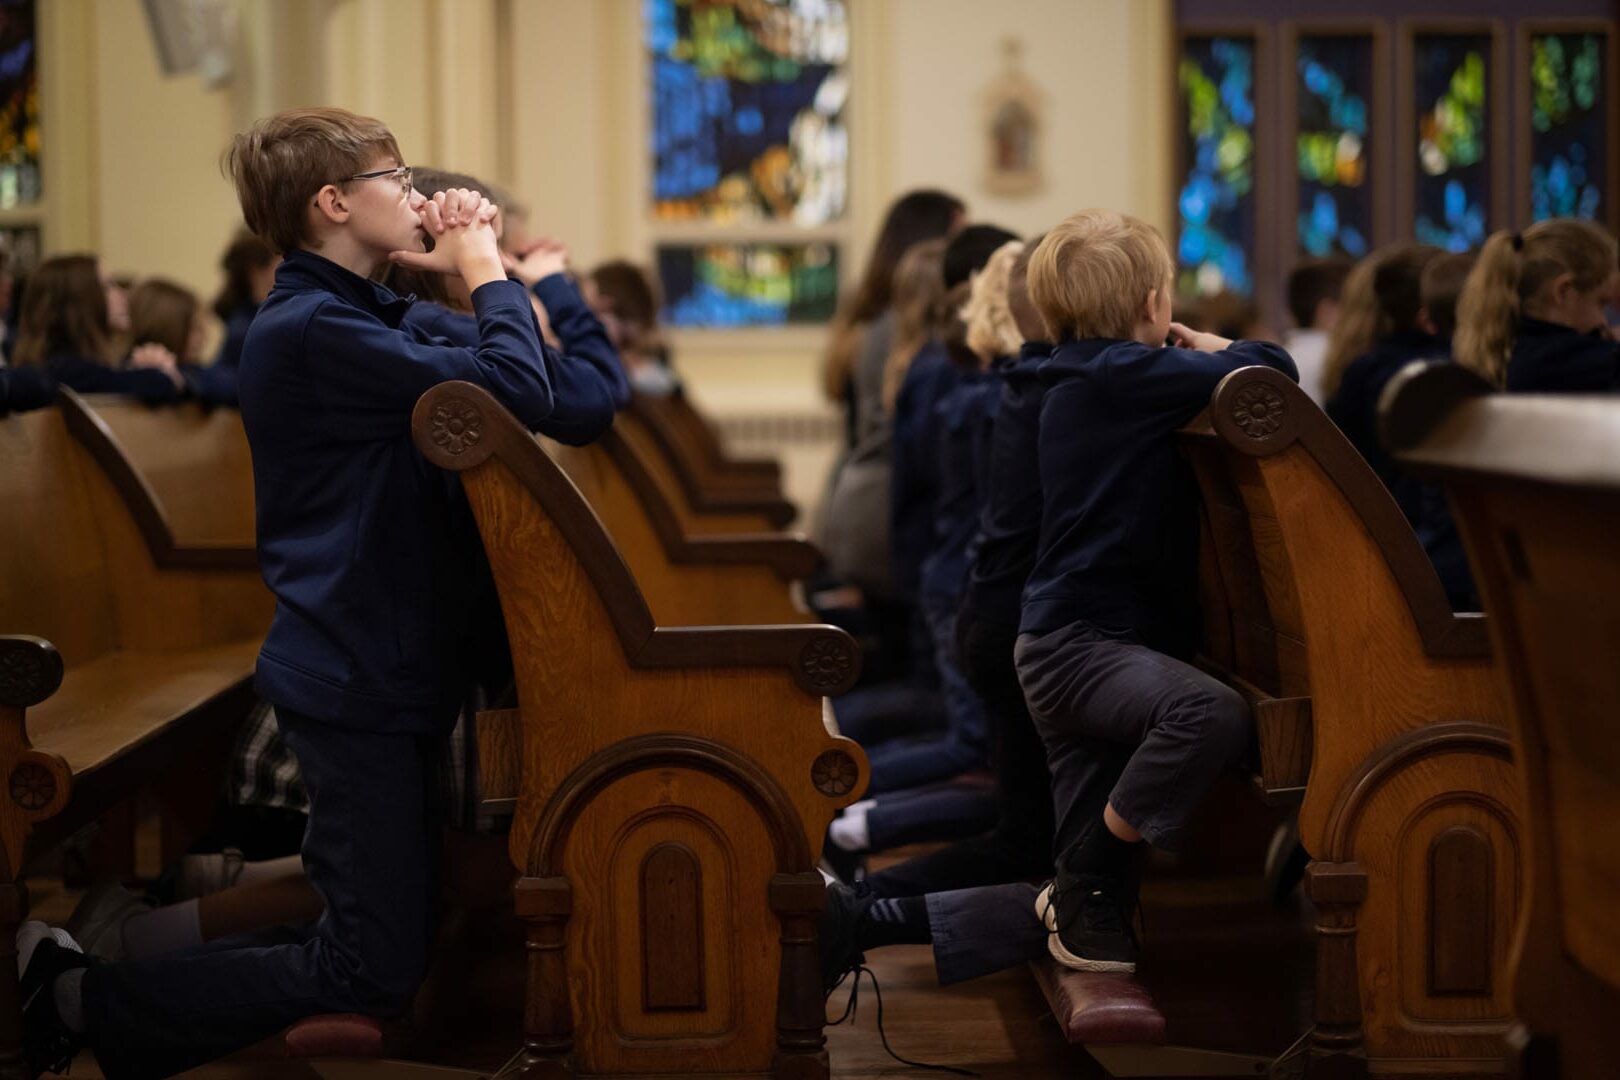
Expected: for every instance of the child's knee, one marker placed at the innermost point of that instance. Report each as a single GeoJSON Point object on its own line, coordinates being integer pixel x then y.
{"type": "Point", "coordinates": [1229, 724]}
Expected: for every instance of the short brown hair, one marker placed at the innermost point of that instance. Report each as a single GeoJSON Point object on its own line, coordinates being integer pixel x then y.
{"type": "Point", "coordinates": [280, 162]}
{"type": "Point", "coordinates": [161, 313]}
{"type": "Point", "coordinates": [1091, 275]}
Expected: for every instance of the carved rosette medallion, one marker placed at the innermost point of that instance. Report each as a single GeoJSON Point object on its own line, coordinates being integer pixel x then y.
{"type": "Point", "coordinates": [21, 672]}
{"type": "Point", "coordinates": [457, 426]}
{"type": "Point", "coordinates": [32, 786]}
{"type": "Point", "coordinates": [834, 773]}
{"type": "Point", "coordinates": [826, 663]}
{"type": "Point", "coordinates": [1258, 411]}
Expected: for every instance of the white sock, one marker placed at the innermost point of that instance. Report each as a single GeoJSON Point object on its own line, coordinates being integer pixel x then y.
{"type": "Point", "coordinates": [849, 830]}
{"type": "Point", "coordinates": [70, 999]}
{"type": "Point", "coordinates": [162, 930]}
{"type": "Point", "coordinates": [31, 933]}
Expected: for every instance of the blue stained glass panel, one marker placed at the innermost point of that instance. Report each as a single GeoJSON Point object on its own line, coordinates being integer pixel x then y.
{"type": "Point", "coordinates": [1569, 125]}
{"type": "Point", "coordinates": [748, 107]}
{"type": "Point", "coordinates": [1333, 88]}
{"type": "Point", "coordinates": [753, 284]}
{"type": "Point", "coordinates": [1216, 203]}
{"type": "Point", "coordinates": [1452, 187]}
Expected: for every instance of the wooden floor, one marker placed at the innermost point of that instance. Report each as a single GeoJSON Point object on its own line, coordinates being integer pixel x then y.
{"type": "Point", "coordinates": [1229, 970]}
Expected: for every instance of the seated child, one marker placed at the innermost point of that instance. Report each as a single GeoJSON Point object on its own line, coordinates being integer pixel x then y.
{"type": "Point", "coordinates": [1313, 301]}
{"type": "Point", "coordinates": [1135, 735]}
{"type": "Point", "coordinates": [625, 298]}
{"type": "Point", "coordinates": [250, 272]}
{"type": "Point", "coordinates": [70, 312]}
{"type": "Point", "coordinates": [374, 560]}
{"type": "Point", "coordinates": [1531, 316]}
{"type": "Point", "coordinates": [168, 314]}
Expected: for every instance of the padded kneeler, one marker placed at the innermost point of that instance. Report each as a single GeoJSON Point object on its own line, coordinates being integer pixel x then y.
{"type": "Point", "coordinates": [1100, 1009]}
{"type": "Point", "coordinates": [338, 1035]}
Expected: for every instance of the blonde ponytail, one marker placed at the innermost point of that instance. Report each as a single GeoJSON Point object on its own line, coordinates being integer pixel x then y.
{"type": "Point", "coordinates": [1507, 281]}
{"type": "Point", "coordinates": [1488, 309]}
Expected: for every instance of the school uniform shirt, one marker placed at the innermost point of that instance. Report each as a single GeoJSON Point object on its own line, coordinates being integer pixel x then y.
{"type": "Point", "coordinates": [1119, 521]}
{"type": "Point", "coordinates": [84, 375]}
{"type": "Point", "coordinates": [963, 420]}
{"type": "Point", "coordinates": [371, 552]}
{"type": "Point", "coordinates": [587, 380]}
{"type": "Point", "coordinates": [236, 329]}
{"type": "Point", "coordinates": [915, 483]}
{"type": "Point", "coordinates": [1354, 408]}
{"type": "Point", "coordinates": [25, 388]}
{"type": "Point", "coordinates": [1010, 523]}
{"type": "Point", "coordinates": [1551, 359]}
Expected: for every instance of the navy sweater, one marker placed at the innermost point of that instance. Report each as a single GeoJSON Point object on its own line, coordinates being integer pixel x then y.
{"type": "Point", "coordinates": [1354, 408]}
{"type": "Point", "coordinates": [1010, 524]}
{"type": "Point", "coordinates": [915, 479]}
{"type": "Point", "coordinates": [88, 377]}
{"type": "Point", "coordinates": [25, 388]}
{"type": "Point", "coordinates": [1119, 519]}
{"type": "Point", "coordinates": [372, 553]}
{"type": "Point", "coordinates": [962, 427]}
{"type": "Point", "coordinates": [1552, 359]}
{"type": "Point", "coordinates": [236, 329]}
{"type": "Point", "coordinates": [587, 382]}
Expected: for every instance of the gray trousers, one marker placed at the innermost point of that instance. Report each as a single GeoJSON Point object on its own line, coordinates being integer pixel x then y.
{"type": "Point", "coordinates": [1128, 726]}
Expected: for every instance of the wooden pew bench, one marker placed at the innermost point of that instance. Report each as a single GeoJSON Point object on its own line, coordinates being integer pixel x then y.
{"type": "Point", "coordinates": [690, 443]}
{"type": "Point", "coordinates": [670, 788]}
{"type": "Point", "coordinates": [701, 513]}
{"type": "Point", "coordinates": [128, 650]}
{"type": "Point", "coordinates": [710, 580]}
{"type": "Point", "coordinates": [1534, 485]}
{"type": "Point", "coordinates": [1389, 709]}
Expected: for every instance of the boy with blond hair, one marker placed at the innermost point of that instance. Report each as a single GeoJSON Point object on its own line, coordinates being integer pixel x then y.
{"type": "Point", "coordinates": [1134, 733]}
{"type": "Point", "coordinates": [375, 564]}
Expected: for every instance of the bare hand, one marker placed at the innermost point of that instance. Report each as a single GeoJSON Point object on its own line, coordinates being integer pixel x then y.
{"type": "Point", "coordinates": [542, 259]}
{"type": "Point", "coordinates": [1186, 338]}
{"type": "Point", "coordinates": [464, 241]}
{"type": "Point", "coordinates": [154, 357]}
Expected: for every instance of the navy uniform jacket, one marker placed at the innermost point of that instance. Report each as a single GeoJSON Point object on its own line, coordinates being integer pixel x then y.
{"type": "Point", "coordinates": [25, 388]}
{"type": "Point", "coordinates": [88, 377]}
{"type": "Point", "coordinates": [961, 430]}
{"type": "Point", "coordinates": [1354, 408]}
{"type": "Point", "coordinates": [1552, 359]}
{"type": "Point", "coordinates": [588, 382]}
{"type": "Point", "coordinates": [1010, 524]}
{"type": "Point", "coordinates": [914, 486]}
{"type": "Point", "coordinates": [372, 553]}
{"type": "Point", "coordinates": [1119, 519]}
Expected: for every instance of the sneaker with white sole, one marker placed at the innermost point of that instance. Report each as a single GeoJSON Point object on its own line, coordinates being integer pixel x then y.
{"type": "Point", "coordinates": [44, 953]}
{"type": "Point", "coordinates": [97, 924]}
{"type": "Point", "coordinates": [1089, 919]}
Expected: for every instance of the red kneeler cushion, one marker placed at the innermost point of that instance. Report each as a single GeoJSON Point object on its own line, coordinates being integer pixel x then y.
{"type": "Point", "coordinates": [340, 1035]}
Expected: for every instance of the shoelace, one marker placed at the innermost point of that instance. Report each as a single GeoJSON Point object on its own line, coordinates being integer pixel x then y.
{"type": "Point", "coordinates": [1124, 919]}
{"type": "Point", "coordinates": [849, 1014]}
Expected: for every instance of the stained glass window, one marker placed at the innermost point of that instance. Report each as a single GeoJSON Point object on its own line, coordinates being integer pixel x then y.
{"type": "Point", "coordinates": [748, 284]}
{"type": "Point", "coordinates": [1452, 186]}
{"type": "Point", "coordinates": [1332, 145]}
{"type": "Point", "coordinates": [1568, 125]}
{"type": "Point", "coordinates": [1216, 204]}
{"type": "Point", "coordinates": [19, 105]}
{"type": "Point", "coordinates": [749, 98]}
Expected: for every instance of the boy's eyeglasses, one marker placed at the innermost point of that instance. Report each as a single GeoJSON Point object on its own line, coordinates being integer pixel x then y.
{"type": "Point", "coordinates": [402, 174]}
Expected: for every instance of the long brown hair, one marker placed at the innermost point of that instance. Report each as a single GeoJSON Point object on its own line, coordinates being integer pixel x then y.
{"type": "Point", "coordinates": [64, 309]}
{"type": "Point", "coordinates": [1512, 270]}
{"type": "Point", "coordinates": [913, 218]}
{"type": "Point", "coordinates": [919, 294]}
{"type": "Point", "coordinates": [1382, 295]}
{"type": "Point", "coordinates": [162, 312]}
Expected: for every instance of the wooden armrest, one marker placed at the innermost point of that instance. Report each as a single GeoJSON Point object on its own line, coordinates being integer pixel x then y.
{"type": "Point", "coordinates": [792, 556]}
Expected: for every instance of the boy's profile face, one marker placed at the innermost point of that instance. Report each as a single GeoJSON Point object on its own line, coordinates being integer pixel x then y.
{"type": "Point", "coordinates": [382, 216]}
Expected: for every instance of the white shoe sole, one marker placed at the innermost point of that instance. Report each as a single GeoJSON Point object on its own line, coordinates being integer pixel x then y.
{"type": "Point", "coordinates": [1054, 943]}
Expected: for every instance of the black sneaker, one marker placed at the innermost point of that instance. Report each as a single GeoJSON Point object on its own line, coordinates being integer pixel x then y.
{"type": "Point", "coordinates": [48, 1044]}
{"type": "Point", "coordinates": [1089, 917]}
{"type": "Point", "coordinates": [838, 932]}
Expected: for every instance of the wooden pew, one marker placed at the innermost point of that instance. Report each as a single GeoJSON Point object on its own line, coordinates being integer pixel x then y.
{"type": "Point", "coordinates": [714, 580]}
{"type": "Point", "coordinates": [691, 444]}
{"type": "Point", "coordinates": [701, 512]}
{"type": "Point", "coordinates": [1411, 812]}
{"type": "Point", "coordinates": [1534, 483]}
{"type": "Point", "coordinates": [128, 650]}
{"type": "Point", "coordinates": [673, 785]}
